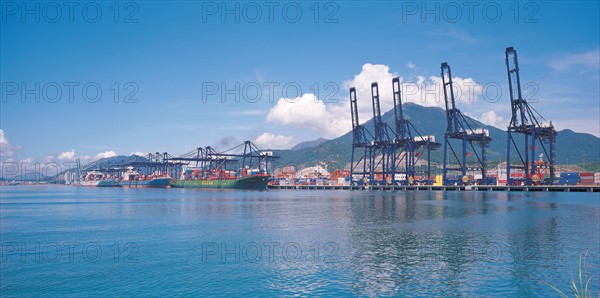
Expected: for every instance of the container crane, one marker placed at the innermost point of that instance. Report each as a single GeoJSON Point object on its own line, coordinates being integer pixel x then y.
{"type": "Point", "coordinates": [361, 142]}
{"type": "Point", "coordinates": [382, 147]}
{"type": "Point", "coordinates": [407, 144]}
{"type": "Point", "coordinates": [525, 121]}
{"type": "Point", "coordinates": [459, 128]}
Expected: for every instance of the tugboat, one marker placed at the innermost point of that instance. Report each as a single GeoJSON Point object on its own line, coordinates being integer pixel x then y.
{"type": "Point", "coordinates": [97, 179]}
{"type": "Point", "coordinates": [131, 178]}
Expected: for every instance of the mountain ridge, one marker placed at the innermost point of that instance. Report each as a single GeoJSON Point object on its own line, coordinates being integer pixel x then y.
{"type": "Point", "coordinates": [309, 144]}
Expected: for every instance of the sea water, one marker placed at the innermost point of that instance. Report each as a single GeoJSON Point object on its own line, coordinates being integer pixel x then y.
{"type": "Point", "coordinates": [74, 241]}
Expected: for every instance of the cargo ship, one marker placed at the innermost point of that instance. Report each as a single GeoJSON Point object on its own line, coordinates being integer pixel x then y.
{"type": "Point", "coordinates": [215, 178]}
{"type": "Point", "coordinates": [131, 178]}
{"type": "Point", "coordinates": [97, 179]}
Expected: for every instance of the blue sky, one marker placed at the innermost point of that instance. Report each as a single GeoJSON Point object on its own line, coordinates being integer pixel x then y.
{"type": "Point", "coordinates": [170, 57]}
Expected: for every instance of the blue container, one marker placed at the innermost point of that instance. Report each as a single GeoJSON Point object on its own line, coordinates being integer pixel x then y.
{"type": "Point", "coordinates": [569, 175]}
{"type": "Point", "coordinates": [569, 178]}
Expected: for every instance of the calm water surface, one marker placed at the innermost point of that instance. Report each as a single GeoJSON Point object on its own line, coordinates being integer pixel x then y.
{"type": "Point", "coordinates": [72, 241]}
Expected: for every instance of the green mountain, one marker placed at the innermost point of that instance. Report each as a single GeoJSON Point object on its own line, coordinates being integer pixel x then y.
{"type": "Point", "coordinates": [309, 144]}
{"type": "Point", "coordinates": [571, 147]}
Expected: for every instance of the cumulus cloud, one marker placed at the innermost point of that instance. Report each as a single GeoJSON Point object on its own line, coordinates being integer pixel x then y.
{"type": "Point", "coordinates": [3, 140]}
{"type": "Point", "coordinates": [333, 119]}
{"type": "Point", "coordinates": [70, 155]}
{"type": "Point", "coordinates": [106, 154]}
{"type": "Point", "coordinates": [272, 141]}
{"type": "Point", "coordinates": [138, 153]}
{"type": "Point", "coordinates": [305, 110]}
{"type": "Point", "coordinates": [493, 119]}
{"type": "Point", "coordinates": [308, 111]}
{"type": "Point", "coordinates": [410, 65]}
{"type": "Point", "coordinates": [67, 155]}
{"type": "Point", "coordinates": [26, 161]}
{"type": "Point", "coordinates": [429, 92]}
{"type": "Point", "coordinates": [370, 73]}
{"type": "Point", "coordinates": [7, 150]}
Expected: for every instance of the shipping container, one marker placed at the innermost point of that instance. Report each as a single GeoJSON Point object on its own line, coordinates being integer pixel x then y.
{"type": "Point", "coordinates": [569, 178]}
{"type": "Point", "coordinates": [587, 176]}
{"type": "Point", "coordinates": [488, 181]}
{"type": "Point", "coordinates": [438, 180]}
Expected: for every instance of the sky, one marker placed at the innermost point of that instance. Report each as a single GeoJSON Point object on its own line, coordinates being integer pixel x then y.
{"type": "Point", "coordinates": [97, 79]}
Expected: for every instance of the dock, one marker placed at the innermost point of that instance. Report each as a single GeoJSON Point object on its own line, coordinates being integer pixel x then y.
{"type": "Point", "coordinates": [538, 188]}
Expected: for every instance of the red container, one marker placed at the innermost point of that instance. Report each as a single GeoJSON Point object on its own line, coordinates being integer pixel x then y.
{"type": "Point", "coordinates": [586, 180]}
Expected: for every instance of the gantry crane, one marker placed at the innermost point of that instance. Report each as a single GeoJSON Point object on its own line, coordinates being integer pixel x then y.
{"type": "Point", "coordinates": [525, 122]}
{"type": "Point", "coordinates": [382, 154]}
{"type": "Point", "coordinates": [360, 140]}
{"type": "Point", "coordinates": [409, 143]}
{"type": "Point", "coordinates": [459, 128]}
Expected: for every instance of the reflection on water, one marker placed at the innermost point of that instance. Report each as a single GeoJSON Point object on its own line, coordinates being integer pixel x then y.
{"type": "Point", "coordinates": [284, 243]}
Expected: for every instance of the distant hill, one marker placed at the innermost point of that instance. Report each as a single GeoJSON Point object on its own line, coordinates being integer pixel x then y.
{"type": "Point", "coordinates": [309, 144]}
{"type": "Point", "coordinates": [571, 147]}
{"type": "Point", "coordinates": [590, 166]}
{"type": "Point", "coordinates": [108, 162]}
{"type": "Point", "coordinates": [30, 177]}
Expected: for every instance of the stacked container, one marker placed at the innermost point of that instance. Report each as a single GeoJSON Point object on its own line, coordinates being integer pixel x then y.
{"type": "Point", "coordinates": [587, 178]}
{"type": "Point", "coordinates": [569, 178]}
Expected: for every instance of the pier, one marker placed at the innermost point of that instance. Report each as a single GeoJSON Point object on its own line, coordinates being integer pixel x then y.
{"type": "Point", "coordinates": [539, 188]}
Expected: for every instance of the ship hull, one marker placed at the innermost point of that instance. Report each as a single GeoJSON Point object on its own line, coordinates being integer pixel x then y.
{"type": "Point", "coordinates": [254, 182]}
{"type": "Point", "coordinates": [154, 183]}
{"type": "Point", "coordinates": [101, 183]}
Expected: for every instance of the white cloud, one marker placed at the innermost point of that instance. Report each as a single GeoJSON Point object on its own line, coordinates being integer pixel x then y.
{"type": "Point", "coordinates": [493, 119]}
{"type": "Point", "coordinates": [589, 59]}
{"type": "Point", "coordinates": [370, 73]}
{"type": "Point", "coordinates": [410, 65]}
{"type": "Point", "coordinates": [106, 154]}
{"type": "Point", "coordinates": [3, 140]}
{"type": "Point", "coordinates": [334, 119]}
{"type": "Point", "coordinates": [430, 92]}
{"type": "Point", "coordinates": [139, 153]}
{"type": "Point", "coordinates": [7, 150]}
{"type": "Point", "coordinates": [67, 155]}
{"type": "Point", "coordinates": [28, 160]}
{"type": "Point", "coordinates": [305, 110]}
{"type": "Point", "coordinates": [70, 155]}
{"type": "Point", "coordinates": [272, 141]}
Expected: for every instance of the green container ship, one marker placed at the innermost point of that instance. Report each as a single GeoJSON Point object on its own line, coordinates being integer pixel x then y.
{"type": "Point", "coordinates": [251, 182]}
